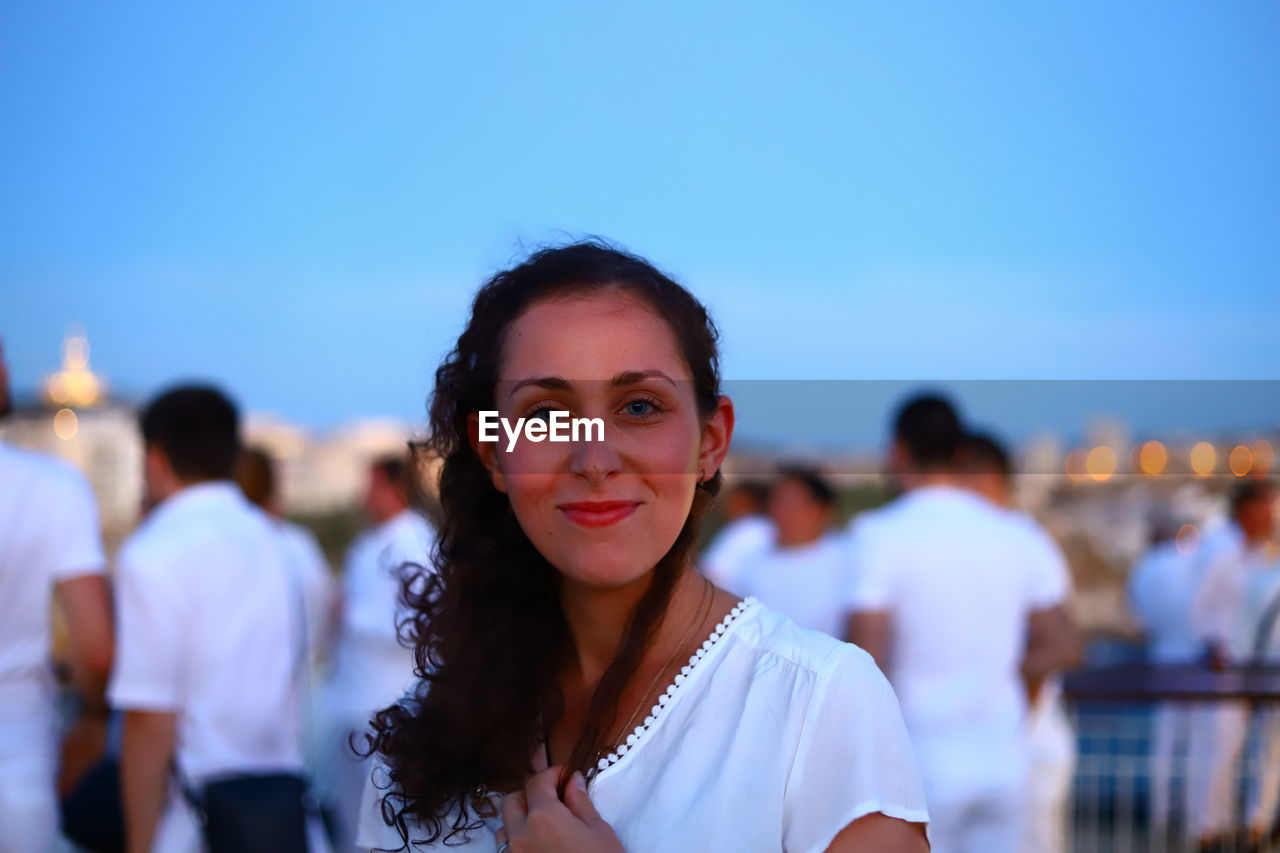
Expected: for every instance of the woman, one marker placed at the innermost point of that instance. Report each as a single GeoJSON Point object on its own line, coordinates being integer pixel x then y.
{"type": "Point", "coordinates": [584, 689]}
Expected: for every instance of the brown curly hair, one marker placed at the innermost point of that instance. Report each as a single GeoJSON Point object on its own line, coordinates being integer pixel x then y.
{"type": "Point", "coordinates": [486, 623]}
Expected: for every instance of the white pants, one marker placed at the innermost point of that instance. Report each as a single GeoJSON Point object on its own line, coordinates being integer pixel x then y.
{"type": "Point", "coordinates": [1217, 740]}
{"type": "Point", "coordinates": [28, 803]}
{"type": "Point", "coordinates": [1052, 744]}
{"type": "Point", "coordinates": [347, 773]}
{"type": "Point", "coordinates": [975, 784]}
{"type": "Point", "coordinates": [989, 821]}
{"type": "Point", "coordinates": [1266, 794]}
{"type": "Point", "coordinates": [1217, 744]}
{"type": "Point", "coordinates": [1172, 728]}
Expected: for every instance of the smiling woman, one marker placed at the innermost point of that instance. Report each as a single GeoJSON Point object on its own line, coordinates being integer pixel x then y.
{"type": "Point", "coordinates": [583, 688]}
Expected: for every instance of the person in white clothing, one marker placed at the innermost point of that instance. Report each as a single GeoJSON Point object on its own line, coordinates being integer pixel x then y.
{"type": "Point", "coordinates": [1161, 587]}
{"type": "Point", "coordinates": [1230, 559]}
{"type": "Point", "coordinates": [945, 601]}
{"type": "Point", "coordinates": [804, 574]}
{"type": "Point", "coordinates": [1051, 741]}
{"type": "Point", "coordinates": [211, 638]}
{"type": "Point", "coordinates": [50, 554]}
{"type": "Point", "coordinates": [746, 532]}
{"type": "Point", "coordinates": [256, 475]}
{"type": "Point", "coordinates": [371, 669]}
{"type": "Point", "coordinates": [1260, 633]}
{"type": "Point", "coordinates": [584, 687]}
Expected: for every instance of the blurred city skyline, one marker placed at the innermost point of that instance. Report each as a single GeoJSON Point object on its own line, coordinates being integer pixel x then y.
{"type": "Point", "coordinates": [297, 202]}
{"type": "Point", "coordinates": [845, 417]}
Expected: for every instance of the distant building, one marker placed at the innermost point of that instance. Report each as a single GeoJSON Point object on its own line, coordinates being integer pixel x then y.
{"type": "Point", "coordinates": [327, 471]}
{"type": "Point", "coordinates": [75, 418]}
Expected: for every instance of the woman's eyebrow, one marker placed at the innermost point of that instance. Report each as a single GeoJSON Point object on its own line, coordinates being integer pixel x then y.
{"type": "Point", "coordinates": [631, 377]}
{"type": "Point", "coordinates": [559, 383]}
{"type": "Point", "coordinates": [553, 383]}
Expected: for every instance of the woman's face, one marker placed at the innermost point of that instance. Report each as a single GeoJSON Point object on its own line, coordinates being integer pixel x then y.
{"type": "Point", "coordinates": [603, 512]}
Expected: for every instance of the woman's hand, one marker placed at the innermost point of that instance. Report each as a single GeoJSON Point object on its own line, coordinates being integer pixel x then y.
{"type": "Point", "coordinates": [536, 821]}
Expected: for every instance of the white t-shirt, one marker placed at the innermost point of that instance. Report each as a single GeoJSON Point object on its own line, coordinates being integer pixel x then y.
{"type": "Point", "coordinates": [734, 544]}
{"type": "Point", "coordinates": [776, 740]}
{"type": "Point", "coordinates": [1161, 588]}
{"type": "Point", "coordinates": [1051, 577]}
{"type": "Point", "coordinates": [959, 577]}
{"type": "Point", "coordinates": [805, 583]}
{"type": "Point", "coordinates": [210, 629]}
{"type": "Point", "coordinates": [312, 574]}
{"type": "Point", "coordinates": [1227, 564]}
{"type": "Point", "coordinates": [371, 669]}
{"type": "Point", "coordinates": [48, 534]}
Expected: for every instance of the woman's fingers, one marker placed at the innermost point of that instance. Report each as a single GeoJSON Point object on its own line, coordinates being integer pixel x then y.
{"type": "Point", "coordinates": [579, 801]}
{"type": "Point", "coordinates": [541, 789]}
{"type": "Point", "coordinates": [515, 813]}
{"type": "Point", "coordinates": [535, 819]}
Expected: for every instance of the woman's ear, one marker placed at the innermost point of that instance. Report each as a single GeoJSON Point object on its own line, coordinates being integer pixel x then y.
{"type": "Point", "coordinates": [717, 432]}
{"type": "Point", "coordinates": [487, 451]}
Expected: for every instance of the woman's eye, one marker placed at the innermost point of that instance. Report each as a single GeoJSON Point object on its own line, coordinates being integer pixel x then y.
{"type": "Point", "coordinates": [542, 414]}
{"type": "Point", "coordinates": [640, 408]}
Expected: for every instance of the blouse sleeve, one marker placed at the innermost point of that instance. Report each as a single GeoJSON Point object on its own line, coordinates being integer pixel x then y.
{"type": "Point", "coordinates": [853, 757]}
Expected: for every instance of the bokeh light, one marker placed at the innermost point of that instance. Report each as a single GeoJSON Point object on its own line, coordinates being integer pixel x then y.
{"type": "Point", "coordinates": [1074, 465]}
{"type": "Point", "coordinates": [66, 424]}
{"type": "Point", "coordinates": [1203, 459]}
{"type": "Point", "coordinates": [1240, 461]}
{"type": "Point", "coordinates": [1263, 457]}
{"type": "Point", "coordinates": [1152, 457]}
{"type": "Point", "coordinates": [1100, 464]}
{"type": "Point", "coordinates": [1188, 539]}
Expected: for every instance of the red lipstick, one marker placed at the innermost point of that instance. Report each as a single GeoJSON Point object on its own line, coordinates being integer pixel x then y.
{"type": "Point", "coordinates": [598, 513]}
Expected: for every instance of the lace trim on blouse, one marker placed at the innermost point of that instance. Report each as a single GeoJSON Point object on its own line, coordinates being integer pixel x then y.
{"type": "Point", "coordinates": [655, 713]}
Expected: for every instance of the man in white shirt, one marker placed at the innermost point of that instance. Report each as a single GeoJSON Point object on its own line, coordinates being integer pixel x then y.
{"type": "Point", "coordinates": [944, 599]}
{"type": "Point", "coordinates": [1161, 587]}
{"type": "Point", "coordinates": [747, 531]}
{"type": "Point", "coordinates": [1051, 740]}
{"type": "Point", "coordinates": [371, 669]}
{"type": "Point", "coordinates": [50, 553]}
{"type": "Point", "coordinates": [1230, 559]}
{"type": "Point", "coordinates": [804, 574]}
{"type": "Point", "coordinates": [210, 630]}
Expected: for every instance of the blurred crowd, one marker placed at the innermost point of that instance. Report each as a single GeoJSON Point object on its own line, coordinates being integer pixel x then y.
{"type": "Point", "coordinates": [963, 599]}
{"type": "Point", "coordinates": [219, 647]}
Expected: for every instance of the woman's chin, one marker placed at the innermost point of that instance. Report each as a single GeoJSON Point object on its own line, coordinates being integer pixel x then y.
{"type": "Point", "coordinates": [604, 571]}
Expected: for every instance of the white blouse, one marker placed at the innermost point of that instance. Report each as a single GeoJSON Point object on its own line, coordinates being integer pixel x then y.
{"type": "Point", "coordinates": [773, 738]}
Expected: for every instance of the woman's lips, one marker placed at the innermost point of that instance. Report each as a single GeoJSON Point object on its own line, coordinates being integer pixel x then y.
{"type": "Point", "coordinates": [598, 513]}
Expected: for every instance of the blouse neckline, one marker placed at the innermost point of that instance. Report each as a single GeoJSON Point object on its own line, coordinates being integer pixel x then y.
{"type": "Point", "coordinates": [678, 685]}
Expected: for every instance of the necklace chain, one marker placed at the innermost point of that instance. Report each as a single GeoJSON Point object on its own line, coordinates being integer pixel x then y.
{"type": "Point", "coordinates": [704, 607]}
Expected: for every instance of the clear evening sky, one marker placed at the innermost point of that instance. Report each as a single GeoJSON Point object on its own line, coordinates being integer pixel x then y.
{"type": "Point", "coordinates": [297, 199]}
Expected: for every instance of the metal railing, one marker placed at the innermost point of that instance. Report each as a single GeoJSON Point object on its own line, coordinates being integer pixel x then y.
{"type": "Point", "coordinates": [1158, 746]}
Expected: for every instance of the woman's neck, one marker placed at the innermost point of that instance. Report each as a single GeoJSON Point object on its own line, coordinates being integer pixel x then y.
{"type": "Point", "coordinates": [597, 620]}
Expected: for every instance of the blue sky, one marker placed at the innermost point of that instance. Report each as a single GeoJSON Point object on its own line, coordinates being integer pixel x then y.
{"type": "Point", "coordinates": [297, 199]}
